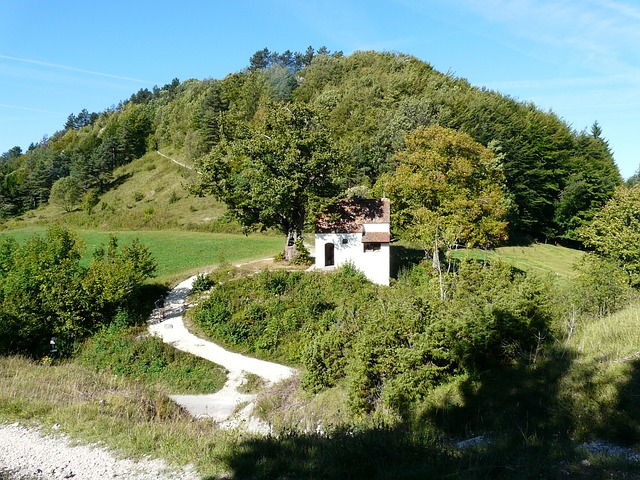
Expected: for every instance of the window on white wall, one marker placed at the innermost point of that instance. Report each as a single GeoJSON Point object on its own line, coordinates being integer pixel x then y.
{"type": "Point", "coordinates": [372, 247]}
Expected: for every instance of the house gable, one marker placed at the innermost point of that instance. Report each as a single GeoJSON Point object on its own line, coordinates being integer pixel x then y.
{"type": "Point", "coordinates": [357, 232]}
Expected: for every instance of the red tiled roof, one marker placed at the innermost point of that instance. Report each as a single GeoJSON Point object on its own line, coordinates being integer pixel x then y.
{"type": "Point", "coordinates": [376, 237]}
{"type": "Point", "coordinates": [348, 216]}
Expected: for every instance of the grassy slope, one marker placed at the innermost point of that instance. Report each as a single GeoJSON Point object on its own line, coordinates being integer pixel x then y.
{"type": "Point", "coordinates": [148, 194]}
{"type": "Point", "coordinates": [534, 258]}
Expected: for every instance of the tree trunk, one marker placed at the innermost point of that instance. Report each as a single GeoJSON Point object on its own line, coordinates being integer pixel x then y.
{"type": "Point", "coordinates": [290, 249]}
{"type": "Point", "coordinates": [437, 265]}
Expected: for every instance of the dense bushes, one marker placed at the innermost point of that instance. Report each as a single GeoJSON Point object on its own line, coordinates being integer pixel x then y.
{"type": "Point", "coordinates": [389, 345]}
{"type": "Point", "coordinates": [46, 291]}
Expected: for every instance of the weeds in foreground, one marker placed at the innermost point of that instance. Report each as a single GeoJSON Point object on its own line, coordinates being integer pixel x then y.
{"type": "Point", "coordinates": [115, 411]}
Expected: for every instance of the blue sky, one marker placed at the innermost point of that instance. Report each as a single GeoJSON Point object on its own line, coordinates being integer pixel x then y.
{"type": "Point", "coordinates": [578, 58]}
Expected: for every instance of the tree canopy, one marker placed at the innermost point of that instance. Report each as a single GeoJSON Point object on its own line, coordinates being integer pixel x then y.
{"type": "Point", "coordinates": [614, 232]}
{"type": "Point", "coordinates": [447, 191]}
{"type": "Point", "coordinates": [279, 172]}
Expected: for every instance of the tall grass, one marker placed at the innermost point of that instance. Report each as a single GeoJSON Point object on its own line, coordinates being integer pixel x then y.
{"type": "Point", "coordinates": [614, 338]}
{"type": "Point", "coordinates": [113, 410]}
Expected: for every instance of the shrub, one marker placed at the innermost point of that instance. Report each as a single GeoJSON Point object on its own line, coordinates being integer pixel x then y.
{"type": "Point", "coordinates": [302, 256]}
{"type": "Point", "coordinates": [132, 353]}
{"type": "Point", "coordinates": [173, 197]}
{"type": "Point", "coordinates": [202, 283]}
{"type": "Point", "coordinates": [46, 292]}
{"type": "Point", "coordinates": [390, 346]}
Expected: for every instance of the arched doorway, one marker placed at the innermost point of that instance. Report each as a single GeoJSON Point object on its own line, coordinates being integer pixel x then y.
{"type": "Point", "coordinates": [329, 257]}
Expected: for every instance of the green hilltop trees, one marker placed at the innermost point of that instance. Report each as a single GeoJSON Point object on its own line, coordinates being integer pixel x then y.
{"type": "Point", "coordinates": [556, 178]}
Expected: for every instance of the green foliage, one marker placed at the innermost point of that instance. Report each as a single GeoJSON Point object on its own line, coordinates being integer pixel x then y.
{"type": "Point", "coordinates": [90, 200]}
{"type": "Point", "coordinates": [601, 287]}
{"type": "Point", "coordinates": [66, 193]}
{"type": "Point", "coordinates": [302, 256]}
{"type": "Point", "coordinates": [201, 284]}
{"type": "Point", "coordinates": [275, 174]}
{"type": "Point", "coordinates": [128, 351]}
{"type": "Point", "coordinates": [446, 191]}
{"type": "Point", "coordinates": [391, 346]}
{"type": "Point", "coordinates": [614, 232]}
{"type": "Point", "coordinates": [46, 292]}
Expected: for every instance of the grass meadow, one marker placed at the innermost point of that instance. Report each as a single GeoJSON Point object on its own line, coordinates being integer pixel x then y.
{"type": "Point", "coordinates": [178, 253]}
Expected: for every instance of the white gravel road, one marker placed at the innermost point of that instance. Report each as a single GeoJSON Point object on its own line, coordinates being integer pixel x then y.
{"type": "Point", "coordinates": [26, 454]}
{"type": "Point", "coordinates": [222, 406]}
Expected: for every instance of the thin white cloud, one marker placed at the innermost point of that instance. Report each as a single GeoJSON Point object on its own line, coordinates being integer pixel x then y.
{"type": "Point", "coordinates": [599, 33]}
{"type": "Point", "coordinates": [28, 109]}
{"type": "Point", "coordinates": [74, 69]}
{"type": "Point", "coordinates": [626, 10]}
{"type": "Point", "coordinates": [565, 82]}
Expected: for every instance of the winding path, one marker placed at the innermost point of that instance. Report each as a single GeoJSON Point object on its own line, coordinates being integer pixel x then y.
{"type": "Point", "coordinates": [177, 162]}
{"type": "Point", "coordinates": [223, 405]}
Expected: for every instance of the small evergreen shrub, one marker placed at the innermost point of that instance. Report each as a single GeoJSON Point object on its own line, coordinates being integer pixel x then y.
{"type": "Point", "coordinates": [303, 256]}
{"type": "Point", "coordinates": [202, 283]}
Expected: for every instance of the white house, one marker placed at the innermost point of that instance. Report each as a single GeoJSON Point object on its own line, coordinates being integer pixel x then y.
{"type": "Point", "coordinates": [356, 231]}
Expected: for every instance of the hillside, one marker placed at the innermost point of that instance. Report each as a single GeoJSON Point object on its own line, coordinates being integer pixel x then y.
{"type": "Point", "coordinates": [150, 193]}
{"type": "Point", "coordinates": [555, 177]}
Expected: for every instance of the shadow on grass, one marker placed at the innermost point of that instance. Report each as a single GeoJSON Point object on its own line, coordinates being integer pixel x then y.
{"type": "Point", "coordinates": [118, 181]}
{"type": "Point", "coordinates": [370, 454]}
{"type": "Point", "coordinates": [522, 420]}
{"type": "Point", "coordinates": [623, 423]}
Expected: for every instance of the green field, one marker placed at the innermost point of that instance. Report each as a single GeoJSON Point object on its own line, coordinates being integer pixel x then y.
{"type": "Point", "coordinates": [179, 252]}
{"type": "Point", "coordinates": [539, 257]}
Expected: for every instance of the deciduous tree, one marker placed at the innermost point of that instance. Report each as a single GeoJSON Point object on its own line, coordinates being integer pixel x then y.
{"type": "Point", "coordinates": [446, 192]}
{"type": "Point", "coordinates": [66, 193]}
{"type": "Point", "coordinates": [274, 176]}
{"type": "Point", "coordinates": [614, 232]}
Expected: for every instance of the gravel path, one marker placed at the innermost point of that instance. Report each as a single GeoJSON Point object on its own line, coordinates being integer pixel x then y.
{"type": "Point", "coordinates": [27, 454]}
{"type": "Point", "coordinates": [228, 406]}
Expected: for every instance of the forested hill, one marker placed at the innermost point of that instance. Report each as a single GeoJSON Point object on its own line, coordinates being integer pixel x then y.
{"type": "Point", "coordinates": [556, 177]}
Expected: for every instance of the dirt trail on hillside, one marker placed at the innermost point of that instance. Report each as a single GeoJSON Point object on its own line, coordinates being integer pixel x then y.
{"type": "Point", "coordinates": [227, 406]}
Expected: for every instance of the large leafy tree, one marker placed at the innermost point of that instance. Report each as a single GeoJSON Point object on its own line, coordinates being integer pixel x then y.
{"type": "Point", "coordinates": [614, 232]}
{"type": "Point", "coordinates": [278, 173]}
{"type": "Point", "coordinates": [66, 193]}
{"type": "Point", "coordinates": [446, 192]}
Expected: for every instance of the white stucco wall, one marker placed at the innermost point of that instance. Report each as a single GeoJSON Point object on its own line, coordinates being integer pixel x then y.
{"type": "Point", "coordinates": [376, 227]}
{"type": "Point", "coordinates": [374, 264]}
